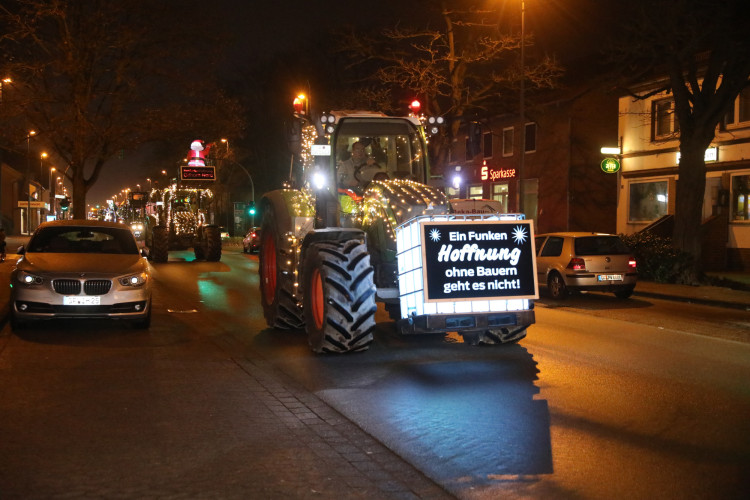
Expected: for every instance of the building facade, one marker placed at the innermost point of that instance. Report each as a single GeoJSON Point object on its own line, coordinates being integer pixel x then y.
{"type": "Point", "coordinates": [563, 186]}
{"type": "Point", "coordinates": [649, 133]}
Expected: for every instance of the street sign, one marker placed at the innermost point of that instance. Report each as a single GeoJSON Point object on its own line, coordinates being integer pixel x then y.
{"type": "Point", "coordinates": [32, 204]}
{"type": "Point", "coordinates": [194, 173]}
{"type": "Point", "coordinates": [610, 165]}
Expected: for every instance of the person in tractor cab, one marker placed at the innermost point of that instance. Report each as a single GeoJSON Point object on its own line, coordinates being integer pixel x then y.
{"type": "Point", "coordinates": [356, 172]}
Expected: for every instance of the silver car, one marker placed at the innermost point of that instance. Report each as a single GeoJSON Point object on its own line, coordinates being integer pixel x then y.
{"type": "Point", "coordinates": [81, 269]}
{"type": "Point", "coordinates": [575, 261]}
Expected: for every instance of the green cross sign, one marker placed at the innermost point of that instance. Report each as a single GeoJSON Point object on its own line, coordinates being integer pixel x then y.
{"type": "Point", "coordinates": [610, 165]}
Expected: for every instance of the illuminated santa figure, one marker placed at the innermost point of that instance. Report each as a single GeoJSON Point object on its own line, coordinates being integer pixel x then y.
{"type": "Point", "coordinates": [197, 154]}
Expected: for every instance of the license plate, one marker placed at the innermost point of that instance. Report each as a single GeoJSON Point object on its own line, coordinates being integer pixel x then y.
{"type": "Point", "coordinates": [74, 300]}
{"type": "Point", "coordinates": [609, 277]}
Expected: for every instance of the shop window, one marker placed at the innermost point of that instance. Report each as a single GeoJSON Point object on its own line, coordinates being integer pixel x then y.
{"type": "Point", "coordinates": [740, 198]}
{"type": "Point", "coordinates": [530, 145]}
{"type": "Point", "coordinates": [476, 192]}
{"type": "Point", "coordinates": [664, 121]}
{"type": "Point", "coordinates": [500, 193]}
{"type": "Point", "coordinates": [648, 201]}
{"type": "Point", "coordinates": [508, 141]}
{"type": "Point", "coordinates": [487, 144]}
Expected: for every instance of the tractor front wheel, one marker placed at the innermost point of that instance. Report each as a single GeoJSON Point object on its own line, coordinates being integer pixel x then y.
{"type": "Point", "coordinates": [339, 296]}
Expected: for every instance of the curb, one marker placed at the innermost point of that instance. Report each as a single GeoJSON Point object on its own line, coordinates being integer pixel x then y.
{"type": "Point", "coordinates": [694, 300]}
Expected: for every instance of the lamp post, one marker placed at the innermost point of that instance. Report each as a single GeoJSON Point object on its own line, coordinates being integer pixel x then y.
{"type": "Point", "coordinates": [28, 180]}
{"type": "Point", "coordinates": [521, 112]}
{"type": "Point", "coordinates": [4, 80]}
{"type": "Point", "coordinates": [51, 190]}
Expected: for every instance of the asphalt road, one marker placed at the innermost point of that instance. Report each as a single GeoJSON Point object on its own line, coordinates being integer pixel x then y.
{"type": "Point", "coordinates": [603, 399]}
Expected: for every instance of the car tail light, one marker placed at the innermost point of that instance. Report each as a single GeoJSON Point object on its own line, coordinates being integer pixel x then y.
{"type": "Point", "coordinates": [253, 235]}
{"type": "Point", "coordinates": [577, 264]}
{"type": "Point", "coordinates": [631, 262]}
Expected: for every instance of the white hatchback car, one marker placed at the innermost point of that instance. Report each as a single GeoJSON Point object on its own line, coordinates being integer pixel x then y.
{"type": "Point", "coordinates": [81, 269]}
{"type": "Point", "coordinates": [575, 261]}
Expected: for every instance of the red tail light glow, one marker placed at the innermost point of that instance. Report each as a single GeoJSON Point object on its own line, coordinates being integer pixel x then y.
{"type": "Point", "coordinates": [631, 262]}
{"type": "Point", "coordinates": [577, 264]}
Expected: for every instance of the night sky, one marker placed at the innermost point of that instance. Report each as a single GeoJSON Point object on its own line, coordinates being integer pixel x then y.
{"type": "Point", "coordinates": [254, 32]}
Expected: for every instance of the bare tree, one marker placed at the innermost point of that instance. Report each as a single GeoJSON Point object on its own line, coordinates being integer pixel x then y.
{"type": "Point", "coordinates": [97, 77]}
{"type": "Point", "coordinates": [465, 67]}
{"type": "Point", "coordinates": [701, 50]}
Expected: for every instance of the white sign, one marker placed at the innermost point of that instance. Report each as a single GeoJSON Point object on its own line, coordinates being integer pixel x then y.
{"type": "Point", "coordinates": [712, 154]}
{"type": "Point", "coordinates": [320, 150]}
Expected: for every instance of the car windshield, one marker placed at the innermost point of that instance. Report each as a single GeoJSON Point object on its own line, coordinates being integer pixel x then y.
{"type": "Point", "coordinates": [82, 239]}
{"type": "Point", "coordinates": [600, 245]}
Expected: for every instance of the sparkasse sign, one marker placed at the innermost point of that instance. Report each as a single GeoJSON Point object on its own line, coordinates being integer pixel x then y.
{"type": "Point", "coordinates": [484, 259]}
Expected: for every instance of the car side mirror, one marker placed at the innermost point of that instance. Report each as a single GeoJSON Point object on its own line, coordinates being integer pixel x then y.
{"type": "Point", "coordinates": [21, 250]}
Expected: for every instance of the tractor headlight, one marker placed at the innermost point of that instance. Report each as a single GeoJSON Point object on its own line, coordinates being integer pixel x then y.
{"type": "Point", "coordinates": [318, 180]}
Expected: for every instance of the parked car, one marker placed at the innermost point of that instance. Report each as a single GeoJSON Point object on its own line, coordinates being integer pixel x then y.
{"type": "Point", "coordinates": [81, 269]}
{"type": "Point", "coordinates": [576, 261]}
{"type": "Point", "coordinates": [251, 242]}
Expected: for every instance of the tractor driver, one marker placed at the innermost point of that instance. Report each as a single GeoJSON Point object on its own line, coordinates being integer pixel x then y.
{"type": "Point", "coordinates": [357, 171]}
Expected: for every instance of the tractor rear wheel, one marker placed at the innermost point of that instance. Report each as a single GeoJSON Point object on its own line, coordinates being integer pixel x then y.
{"type": "Point", "coordinates": [280, 306]}
{"type": "Point", "coordinates": [212, 238]}
{"type": "Point", "coordinates": [339, 296]}
{"type": "Point", "coordinates": [159, 244]}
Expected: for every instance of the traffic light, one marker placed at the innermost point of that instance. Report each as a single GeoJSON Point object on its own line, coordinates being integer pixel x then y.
{"type": "Point", "coordinates": [251, 208]}
{"type": "Point", "coordinates": [64, 204]}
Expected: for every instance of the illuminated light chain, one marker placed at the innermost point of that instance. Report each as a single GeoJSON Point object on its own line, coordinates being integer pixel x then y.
{"type": "Point", "coordinates": [309, 134]}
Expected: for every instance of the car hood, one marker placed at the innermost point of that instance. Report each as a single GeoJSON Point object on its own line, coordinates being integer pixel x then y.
{"type": "Point", "coordinates": [83, 263]}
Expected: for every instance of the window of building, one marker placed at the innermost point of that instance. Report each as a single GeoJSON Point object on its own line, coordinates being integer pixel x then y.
{"type": "Point", "coordinates": [740, 198]}
{"type": "Point", "coordinates": [530, 145]}
{"type": "Point", "coordinates": [739, 115]}
{"type": "Point", "coordinates": [500, 193]}
{"type": "Point", "coordinates": [468, 150]}
{"type": "Point", "coordinates": [487, 144]}
{"type": "Point", "coordinates": [508, 141]}
{"type": "Point", "coordinates": [664, 121]}
{"type": "Point", "coordinates": [476, 192]}
{"type": "Point", "coordinates": [648, 201]}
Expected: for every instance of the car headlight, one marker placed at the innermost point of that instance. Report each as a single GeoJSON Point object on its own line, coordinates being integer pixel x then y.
{"type": "Point", "coordinates": [29, 279]}
{"type": "Point", "coordinates": [134, 280]}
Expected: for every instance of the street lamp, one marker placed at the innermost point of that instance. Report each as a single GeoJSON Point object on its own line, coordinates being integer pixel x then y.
{"type": "Point", "coordinates": [521, 112]}
{"type": "Point", "coordinates": [4, 80]}
{"type": "Point", "coordinates": [149, 183]}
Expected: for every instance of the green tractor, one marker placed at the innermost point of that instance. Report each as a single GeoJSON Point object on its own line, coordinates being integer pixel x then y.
{"type": "Point", "coordinates": [181, 222]}
{"type": "Point", "coordinates": [348, 232]}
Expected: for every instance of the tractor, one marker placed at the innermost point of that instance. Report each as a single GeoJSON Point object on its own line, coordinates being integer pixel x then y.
{"type": "Point", "coordinates": [181, 214]}
{"type": "Point", "coordinates": [359, 222]}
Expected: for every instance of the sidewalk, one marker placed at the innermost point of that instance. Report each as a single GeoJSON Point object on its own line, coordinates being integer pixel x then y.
{"type": "Point", "coordinates": [705, 294]}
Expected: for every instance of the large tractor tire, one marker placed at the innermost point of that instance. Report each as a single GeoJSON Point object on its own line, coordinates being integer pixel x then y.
{"type": "Point", "coordinates": [510, 335]}
{"type": "Point", "coordinates": [280, 307]}
{"type": "Point", "coordinates": [212, 238]}
{"type": "Point", "coordinates": [159, 251]}
{"type": "Point", "coordinates": [339, 296]}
